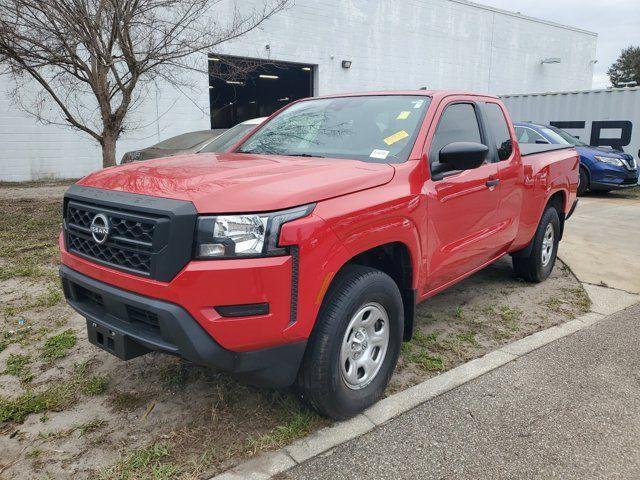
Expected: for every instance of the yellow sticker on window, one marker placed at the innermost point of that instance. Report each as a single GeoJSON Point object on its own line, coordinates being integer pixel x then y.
{"type": "Point", "coordinates": [396, 137]}
{"type": "Point", "coordinates": [403, 115]}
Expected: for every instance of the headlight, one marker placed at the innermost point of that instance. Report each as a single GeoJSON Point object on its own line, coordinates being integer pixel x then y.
{"type": "Point", "coordinates": [233, 236]}
{"type": "Point", "coordinates": [610, 160]}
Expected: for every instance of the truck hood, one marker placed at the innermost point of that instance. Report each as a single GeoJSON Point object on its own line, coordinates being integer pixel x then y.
{"type": "Point", "coordinates": [234, 183]}
{"type": "Point", "coordinates": [604, 151]}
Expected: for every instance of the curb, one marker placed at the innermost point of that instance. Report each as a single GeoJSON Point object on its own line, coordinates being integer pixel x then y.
{"type": "Point", "coordinates": [268, 464]}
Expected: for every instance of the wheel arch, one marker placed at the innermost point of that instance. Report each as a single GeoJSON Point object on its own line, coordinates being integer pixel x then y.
{"type": "Point", "coordinates": [559, 200]}
{"type": "Point", "coordinates": [396, 260]}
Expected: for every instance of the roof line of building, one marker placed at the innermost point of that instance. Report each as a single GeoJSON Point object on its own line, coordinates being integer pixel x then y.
{"type": "Point", "coordinates": [571, 92]}
{"type": "Point", "coordinates": [524, 17]}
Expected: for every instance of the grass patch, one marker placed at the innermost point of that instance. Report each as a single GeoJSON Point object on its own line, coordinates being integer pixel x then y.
{"type": "Point", "coordinates": [28, 237]}
{"type": "Point", "coordinates": [509, 315]}
{"type": "Point", "coordinates": [35, 453]}
{"type": "Point", "coordinates": [458, 343]}
{"type": "Point", "coordinates": [426, 361]}
{"type": "Point", "coordinates": [144, 463]}
{"type": "Point", "coordinates": [91, 426]}
{"type": "Point", "coordinates": [83, 429]}
{"type": "Point", "coordinates": [126, 401]}
{"type": "Point", "coordinates": [573, 300]}
{"type": "Point", "coordinates": [22, 335]}
{"type": "Point", "coordinates": [295, 422]}
{"type": "Point", "coordinates": [426, 340]}
{"type": "Point", "coordinates": [95, 386]}
{"type": "Point", "coordinates": [418, 351]}
{"type": "Point", "coordinates": [578, 297]}
{"type": "Point", "coordinates": [173, 375]}
{"type": "Point", "coordinates": [56, 397]}
{"type": "Point", "coordinates": [48, 299]}
{"type": "Point", "coordinates": [57, 346]}
{"type": "Point", "coordinates": [18, 366]}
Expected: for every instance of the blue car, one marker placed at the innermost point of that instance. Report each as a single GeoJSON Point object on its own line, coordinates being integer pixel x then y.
{"type": "Point", "coordinates": [602, 169]}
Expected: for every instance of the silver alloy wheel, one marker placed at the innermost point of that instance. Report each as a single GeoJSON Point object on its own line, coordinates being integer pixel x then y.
{"type": "Point", "coordinates": [364, 346]}
{"type": "Point", "coordinates": [547, 245]}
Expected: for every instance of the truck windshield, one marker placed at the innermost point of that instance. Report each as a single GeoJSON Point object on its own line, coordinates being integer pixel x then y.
{"type": "Point", "coordinates": [373, 128]}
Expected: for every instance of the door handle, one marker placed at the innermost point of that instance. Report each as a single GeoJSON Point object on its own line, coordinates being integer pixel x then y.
{"type": "Point", "coordinates": [493, 182]}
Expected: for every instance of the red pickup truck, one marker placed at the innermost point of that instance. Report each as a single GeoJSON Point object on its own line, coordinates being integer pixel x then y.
{"type": "Point", "coordinates": [299, 257]}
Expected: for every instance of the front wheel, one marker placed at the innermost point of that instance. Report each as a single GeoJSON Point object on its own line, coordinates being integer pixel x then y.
{"type": "Point", "coordinates": [537, 266]}
{"type": "Point", "coordinates": [583, 184]}
{"type": "Point", "coordinates": [354, 347]}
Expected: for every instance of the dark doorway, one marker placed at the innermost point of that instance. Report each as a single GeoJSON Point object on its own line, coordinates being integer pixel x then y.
{"type": "Point", "coordinates": [244, 88]}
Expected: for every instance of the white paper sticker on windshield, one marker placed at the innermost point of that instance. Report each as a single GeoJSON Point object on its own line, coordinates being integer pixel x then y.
{"type": "Point", "coordinates": [417, 103]}
{"type": "Point", "coordinates": [381, 154]}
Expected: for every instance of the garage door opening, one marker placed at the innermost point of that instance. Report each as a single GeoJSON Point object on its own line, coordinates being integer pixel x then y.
{"type": "Point", "coordinates": [244, 88]}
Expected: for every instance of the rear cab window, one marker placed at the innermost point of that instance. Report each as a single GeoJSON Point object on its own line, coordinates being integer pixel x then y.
{"type": "Point", "coordinates": [499, 131]}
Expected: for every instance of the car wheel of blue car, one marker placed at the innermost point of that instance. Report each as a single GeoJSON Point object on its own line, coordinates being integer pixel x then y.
{"type": "Point", "coordinates": [583, 186]}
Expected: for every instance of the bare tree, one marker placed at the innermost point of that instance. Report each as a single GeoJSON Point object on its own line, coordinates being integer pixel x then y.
{"type": "Point", "coordinates": [93, 58]}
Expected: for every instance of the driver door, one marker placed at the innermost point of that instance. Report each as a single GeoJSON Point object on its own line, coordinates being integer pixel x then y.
{"type": "Point", "coordinates": [462, 206]}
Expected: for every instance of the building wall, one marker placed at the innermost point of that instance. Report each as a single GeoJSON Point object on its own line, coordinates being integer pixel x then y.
{"type": "Point", "coordinates": [392, 45]}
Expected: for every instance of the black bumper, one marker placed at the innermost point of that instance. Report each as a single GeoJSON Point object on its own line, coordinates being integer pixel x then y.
{"type": "Point", "coordinates": [128, 325]}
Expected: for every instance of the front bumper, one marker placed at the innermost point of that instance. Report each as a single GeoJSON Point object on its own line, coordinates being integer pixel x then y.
{"type": "Point", "coordinates": [204, 285]}
{"type": "Point", "coordinates": [127, 325]}
{"type": "Point", "coordinates": [610, 179]}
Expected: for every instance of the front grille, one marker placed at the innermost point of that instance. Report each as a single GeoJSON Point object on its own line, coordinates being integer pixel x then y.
{"type": "Point", "coordinates": [130, 260]}
{"type": "Point", "coordinates": [134, 231]}
{"type": "Point", "coordinates": [130, 243]}
{"type": "Point", "coordinates": [146, 236]}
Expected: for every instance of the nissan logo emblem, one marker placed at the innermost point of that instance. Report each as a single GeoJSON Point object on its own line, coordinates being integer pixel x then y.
{"type": "Point", "coordinates": [100, 228]}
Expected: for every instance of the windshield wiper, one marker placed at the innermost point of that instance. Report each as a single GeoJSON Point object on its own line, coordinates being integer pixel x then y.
{"type": "Point", "coordinates": [303, 155]}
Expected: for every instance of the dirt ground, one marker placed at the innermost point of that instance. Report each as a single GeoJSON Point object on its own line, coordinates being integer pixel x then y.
{"type": "Point", "coordinates": [69, 410]}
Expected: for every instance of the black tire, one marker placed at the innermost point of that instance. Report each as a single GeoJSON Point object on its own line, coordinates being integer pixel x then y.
{"type": "Point", "coordinates": [583, 186]}
{"type": "Point", "coordinates": [320, 382]}
{"type": "Point", "coordinates": [532, 267]}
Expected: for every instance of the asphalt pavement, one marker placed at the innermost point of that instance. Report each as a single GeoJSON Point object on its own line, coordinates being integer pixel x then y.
{"type": "Point", "coordinates": [570, 409]}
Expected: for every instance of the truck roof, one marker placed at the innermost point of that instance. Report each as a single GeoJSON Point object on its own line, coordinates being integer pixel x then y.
{"type": "Point", "coordinates": [425, 93]}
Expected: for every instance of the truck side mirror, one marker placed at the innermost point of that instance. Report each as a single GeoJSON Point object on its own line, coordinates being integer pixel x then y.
{"type": "Point", "coordinates": [463, 155]}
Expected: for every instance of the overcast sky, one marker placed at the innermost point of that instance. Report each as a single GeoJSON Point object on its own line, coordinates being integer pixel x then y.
{"type": "Point", "coordinates": [617, 23]}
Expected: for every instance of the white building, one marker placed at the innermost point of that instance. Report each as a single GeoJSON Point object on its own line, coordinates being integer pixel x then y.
{"type": "Point", "coordinates": [391, 44]}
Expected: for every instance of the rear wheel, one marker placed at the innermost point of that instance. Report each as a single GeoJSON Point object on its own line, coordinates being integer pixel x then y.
{"type": "Point", "coordinates": [355, 344]}
{"type": "Point", "coordinates": [537, 266]}
{"type": "Point", "coordinates": [583, 186]}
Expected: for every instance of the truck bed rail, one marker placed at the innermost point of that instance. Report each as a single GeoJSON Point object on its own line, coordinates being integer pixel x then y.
{"type": "Point", "coordinates": [533, 148]}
